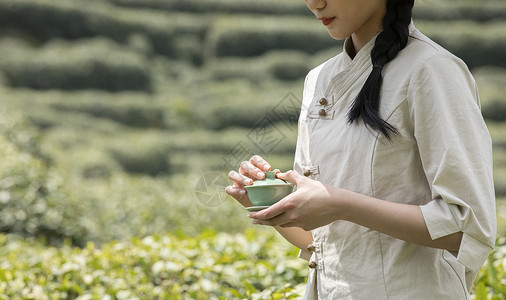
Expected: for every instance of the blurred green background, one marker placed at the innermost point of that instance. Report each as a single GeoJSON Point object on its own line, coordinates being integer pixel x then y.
{"type": "Point", "coordinates": [119, 117]}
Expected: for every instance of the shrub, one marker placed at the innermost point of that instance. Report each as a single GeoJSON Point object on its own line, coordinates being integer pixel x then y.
{"type": "Point", "coordinates": [490, 282]}
{"type": "Point", "coordinates": [143, 153]}
{"type": "Point", "coordinates": [491, 82]}
{"type": "Point", "coordinates": [17, 129]}
{"type": "Point", "coordinates": [209, 266]}
{"type": "Point", "coordinates": [287, 65]}
{"type": "Point", "coordinates": [86, 109]}
{"type": "Point", "coordinates": [31, 203]}
{"type": "Point", "coordinates": [131, 109]}
{"type": "Point", "coordinates": [479, 11]}
{"type": "Point", "coordinates": [253, 70]}
{"type": "Point", "coordinates": [96, 64]}
{"type": "Point", "coordinates": [281, 65]}
{"type": "Point", "coordinates": [245, 104]}
{"type": "Point", "coordinates": [500, 181]}
{"type": "Point", "coordinates": [442, 10]}
{"type": "Point", "coordinates": [251, 36]}
{"type": "Point", "coordinates": [250, 265]}
{"type": "Point", "coordinates": [477, 44]}
{"type": "Point", "coordinates": [497, 131]}
{"type": "Point", "coordinates": [81, 155]}
{"type": "Point", "coordinates": [47, 19]}
{"type": "Point", "coordinates": [219, 6]}
{"type": "Point", "coordinates": [495, 109]}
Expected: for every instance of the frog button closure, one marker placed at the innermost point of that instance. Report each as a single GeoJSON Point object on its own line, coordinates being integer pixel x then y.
{"type": "Point", "coordinates": [322, 112]}
{"type": "Point", "coordinates": [312, 264]}
{"type": "Point", "coordinates": [311, 248]}
{"type": "Point", "coordinates": [323, 101]}
{"type": "Point", "coordinates": [307, 172]}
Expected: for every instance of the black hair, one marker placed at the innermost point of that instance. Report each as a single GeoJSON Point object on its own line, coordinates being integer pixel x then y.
{"type": "Point", "coordinates": [389, 42]}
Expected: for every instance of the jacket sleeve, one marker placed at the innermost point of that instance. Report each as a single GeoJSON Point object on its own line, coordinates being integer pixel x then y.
{"type": "Point", "coordinates": [456, 152]}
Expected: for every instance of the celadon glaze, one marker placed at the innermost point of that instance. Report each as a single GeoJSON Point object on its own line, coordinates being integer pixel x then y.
{"type": "Point", "coordinates": [269, 190]}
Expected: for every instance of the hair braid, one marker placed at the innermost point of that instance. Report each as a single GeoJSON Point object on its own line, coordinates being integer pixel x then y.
{"type": "Point", "coordinates": [389, 42]}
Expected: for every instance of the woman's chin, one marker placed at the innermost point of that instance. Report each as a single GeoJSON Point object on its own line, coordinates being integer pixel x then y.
{"type": "Point", "coordinates": [338, 35]}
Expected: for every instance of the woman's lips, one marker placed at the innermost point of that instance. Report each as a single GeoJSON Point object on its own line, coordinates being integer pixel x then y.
{"type": "Point", "coordinates": [327, 21]}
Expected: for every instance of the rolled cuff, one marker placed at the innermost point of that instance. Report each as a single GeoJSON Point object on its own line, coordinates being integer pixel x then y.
{"type": "Point", "coordinates": [439, 219]}
{"type": "Point", "coordinates": [440, 222]}
{"type": "Point", "coordinates": [473, 253]}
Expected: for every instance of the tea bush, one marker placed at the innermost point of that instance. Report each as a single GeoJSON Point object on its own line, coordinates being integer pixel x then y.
{"type": "Point", "coordinates": [167, 34]}
{"type": "Point", "coordinates": [497, 131]}
{"type": "Point", "coordinates": [31, 202]}
{"type": "Point", "coordinates": [424, 10]}
{"type": "Point", "coordinates": [251, 36]}
{"type": "Point", "coordinates": [130, 109]}
{"type": "Point", "coordinates": [281, 65]}
{"type": "Point", "coordinates": [220, 6]}
{"type": "Point", "coordinates": [250, 265]}
{"type": "Point", "coordinates": [478, 44]}
{"type": "Point", "coordinates": [95, 108]}
{"type": "Point", "coordinates": [491, 82]}
{"type": "Point", "coordinates": [58, 203]}
{"type": "Point", "coordinates": [245, 104]}
{"type": "Point", "coordinates": [491, 280]}
{"type": "Point", "coordinates": [480, 11]}
{"type": "Point", "coordinates": [253, 70]}
{"type": "Point", "coordinates": [284, 65]}
{"type": "Point", "coordinates": [97, 64]}
{"type": "Point", "coordinates": [495, 109]}
{"type": "Point", "coordinates": [143, 153]}
{"type": "Point", "coordinates": [255, 265]}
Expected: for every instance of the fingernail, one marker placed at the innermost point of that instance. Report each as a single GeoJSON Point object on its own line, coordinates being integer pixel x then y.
{"type": "Point", "coordinates": [260, 174]}
{"type": "Point", "coordinates": [250, 215]}
{"type": "Point", "coordinates": [249, 181]}
{"type": "Point", "coordinates": [267, 167]}
{"type": "Point", "coordinates": [242, 192]}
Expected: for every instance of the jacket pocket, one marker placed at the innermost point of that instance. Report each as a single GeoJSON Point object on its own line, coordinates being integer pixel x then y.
{"type": "Point", "coordinates": [454, 272]}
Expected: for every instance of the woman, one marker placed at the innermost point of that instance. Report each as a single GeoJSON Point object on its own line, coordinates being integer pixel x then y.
{"type": "Point", "coordinates": [393, 167]}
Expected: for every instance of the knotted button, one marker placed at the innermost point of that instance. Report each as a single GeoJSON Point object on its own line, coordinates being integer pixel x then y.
{"type": "Point", "coordinates": [307, 172]}
{"type": "Point", "coordinates": [311, 248]}
{"type": "Point", "coordinates": [322, 112]}
{"type": "Point", "coordinates": [323, 101]}
{"type": "Point", "coordinates": [312, 264]}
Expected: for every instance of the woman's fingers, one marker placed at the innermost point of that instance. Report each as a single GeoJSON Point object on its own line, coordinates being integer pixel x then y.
{"type": "Point", "coordinates": [260, 163]}
{"type": "Point", "coordinates": [255, 167]}
{"type": "Point", "coordinates": [291, 176]}
{"type": "Point", "coordinates": [239, 193]}
{"type": "Point", "coordinates": [239, 179]}
{"type": "Point", "coordinates": [284, 220]}
{"type": "Point", "coordinates": [250, 170]}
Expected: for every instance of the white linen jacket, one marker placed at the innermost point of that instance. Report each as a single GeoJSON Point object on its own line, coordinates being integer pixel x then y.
{"type": "Point", "coordinates": [441, 160]}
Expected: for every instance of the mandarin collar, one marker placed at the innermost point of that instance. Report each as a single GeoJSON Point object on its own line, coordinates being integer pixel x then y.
{"type": "Point", "coordinates": [365, 51]}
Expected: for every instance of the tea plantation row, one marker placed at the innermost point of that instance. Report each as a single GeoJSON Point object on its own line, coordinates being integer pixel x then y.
{"type": "Point", "coordinates": [453, 10]}
{"type": "Point", "coordinates": [77, 197]}
{"type": "Point", "coordinates": [198, 38]}
{"type": "Point", "coordinates": [253, 265]}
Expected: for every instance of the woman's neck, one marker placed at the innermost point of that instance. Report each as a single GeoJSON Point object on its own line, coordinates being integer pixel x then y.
{"type": "Point", "coordinates": [367, 31]}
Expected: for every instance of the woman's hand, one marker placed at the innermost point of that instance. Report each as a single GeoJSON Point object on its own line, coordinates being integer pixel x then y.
{"type": "Point", "coordinates": [312, 205]}
{"type": "Point", "coordinates": [248, 171]}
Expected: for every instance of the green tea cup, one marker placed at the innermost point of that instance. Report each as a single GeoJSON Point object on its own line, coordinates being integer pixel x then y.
{"type": "Point", "coordinates": [269, 190]}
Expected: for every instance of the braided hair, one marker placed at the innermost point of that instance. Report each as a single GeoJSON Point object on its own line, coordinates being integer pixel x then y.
{"type": "Point", "coordinates": [389, 42]}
